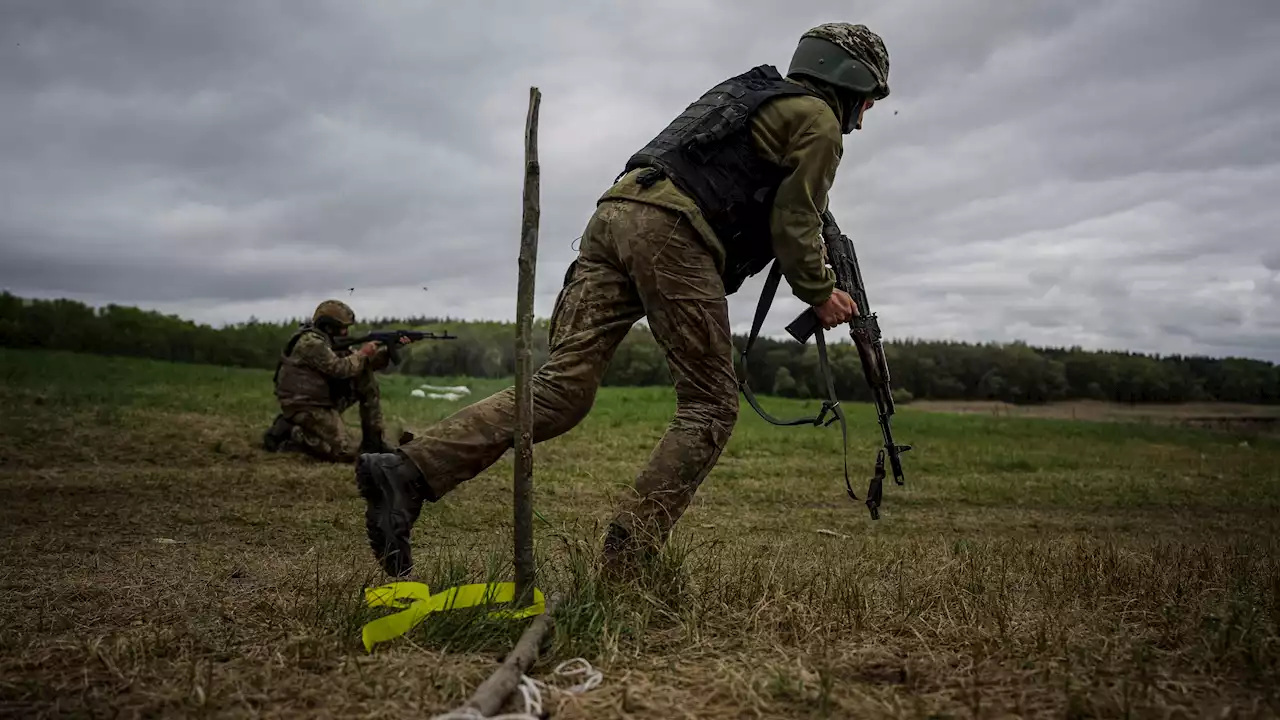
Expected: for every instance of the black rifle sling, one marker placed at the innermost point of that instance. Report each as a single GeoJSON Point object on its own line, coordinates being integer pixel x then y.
{"type": "Point", "coordinates": [830, 405]}
{"type": "Point", "coordinates": [762, 310]}
{"type": "Point", "coordinates": [833, 404]}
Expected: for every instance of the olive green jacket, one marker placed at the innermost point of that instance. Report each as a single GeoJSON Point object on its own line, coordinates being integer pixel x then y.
{"type": "Point", "coordinates": [801, 134]}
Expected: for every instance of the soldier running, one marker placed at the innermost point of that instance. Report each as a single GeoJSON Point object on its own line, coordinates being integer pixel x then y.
{"type": "Point", "coordinates": [738, 179]}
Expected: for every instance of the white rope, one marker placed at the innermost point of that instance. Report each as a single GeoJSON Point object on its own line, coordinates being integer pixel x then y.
{"type": "Point", "coordinates": [594, 677]}
{"type": "Point", "coordinates": [531, 690]}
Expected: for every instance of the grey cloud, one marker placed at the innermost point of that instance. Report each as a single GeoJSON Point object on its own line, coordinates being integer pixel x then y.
{"type": "Point", "coordinates": [1096, 173]}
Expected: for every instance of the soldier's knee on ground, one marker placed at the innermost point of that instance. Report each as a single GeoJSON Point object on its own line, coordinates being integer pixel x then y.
{"type": "Point", "coordinates": [322, 448]}
{"type": "Point", "coordinates": [306, 442]}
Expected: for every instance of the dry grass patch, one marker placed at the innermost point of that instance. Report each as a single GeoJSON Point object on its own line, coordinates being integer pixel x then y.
{"type": "Point", "coordinates": [156, 563]}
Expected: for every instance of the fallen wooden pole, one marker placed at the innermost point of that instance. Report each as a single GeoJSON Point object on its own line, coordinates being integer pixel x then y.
{"type": "Point", "coordinates": [493, 692]}
{"type": "Point", "coordinates": [523, 485]}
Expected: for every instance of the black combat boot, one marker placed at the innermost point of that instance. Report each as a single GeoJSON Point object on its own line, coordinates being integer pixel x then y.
{"type": "Point", "coordinates": [619, 561]}
{"type": "Point", "coordinates": [275, 435]}
{"type": "Point", "coordinates": [627, 560]}
{"type": "Point", "coordinates": [393, 491]}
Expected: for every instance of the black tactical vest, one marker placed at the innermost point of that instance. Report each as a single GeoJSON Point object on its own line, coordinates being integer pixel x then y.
{"type": "Point", "coordinates": [288, 350]}
{"type": "Point", "coordinates": [708, 153]}
{"type": "Point", "coordinates": [298, 385]}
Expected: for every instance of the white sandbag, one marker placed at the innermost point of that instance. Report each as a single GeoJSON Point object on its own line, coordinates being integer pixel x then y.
{"type": "Point", "coordinates": [458, 389]}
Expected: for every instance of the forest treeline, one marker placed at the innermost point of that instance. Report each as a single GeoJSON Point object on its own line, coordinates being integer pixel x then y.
{"type": "Point", "coordinates": [1013, 372]}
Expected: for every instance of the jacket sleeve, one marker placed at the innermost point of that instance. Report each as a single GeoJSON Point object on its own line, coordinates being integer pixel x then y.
{"type": "Point", "coordinates": [808, 146]}
{"type": "Point", "coordinates": [316, 354]}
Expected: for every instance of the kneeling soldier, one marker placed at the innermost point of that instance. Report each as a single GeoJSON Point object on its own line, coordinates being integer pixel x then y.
{"type": "Point", "coordinates": [315, 384]}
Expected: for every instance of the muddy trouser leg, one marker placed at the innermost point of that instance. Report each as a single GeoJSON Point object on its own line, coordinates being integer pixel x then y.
{"type": "Point", "coordinates": [596, 307]}
{"type": "Point", "coordinates": [319, 432]}
{"type": "Point", "coordinates": [684, 301]}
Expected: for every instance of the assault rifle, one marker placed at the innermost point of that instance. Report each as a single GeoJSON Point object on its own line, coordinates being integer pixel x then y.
{"type": "Point", "coordinates": [390, 338]}
{"type": "Point", "coordinates": [864, 329]}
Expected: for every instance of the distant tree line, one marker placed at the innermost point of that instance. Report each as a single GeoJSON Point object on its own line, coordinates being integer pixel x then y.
{"type": "Point", "coordinates": [1013, 372]}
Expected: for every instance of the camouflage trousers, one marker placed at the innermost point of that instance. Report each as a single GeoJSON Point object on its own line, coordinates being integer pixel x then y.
{"type": "Point", "coordinates": [320, 432]}
{"type": "Point", "coordinates": [635, 261]}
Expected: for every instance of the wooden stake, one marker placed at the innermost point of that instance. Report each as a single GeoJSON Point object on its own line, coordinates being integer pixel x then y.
{"type": "Point", "coordinates": [493, 692]}
{"type": "Point", "coordinates": [523, 485]}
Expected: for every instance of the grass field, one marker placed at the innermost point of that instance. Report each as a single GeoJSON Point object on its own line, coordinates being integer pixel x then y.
{"type": "Point", "coordinates": [1248, 419]}
{"type": "Point", "coordinates": [157, 563]}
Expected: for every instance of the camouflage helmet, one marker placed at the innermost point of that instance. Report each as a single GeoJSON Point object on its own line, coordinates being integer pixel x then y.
{"type": "Point", "coordinates": [333, 313]}
{"type": "Point", "coordinates": [846, 56]}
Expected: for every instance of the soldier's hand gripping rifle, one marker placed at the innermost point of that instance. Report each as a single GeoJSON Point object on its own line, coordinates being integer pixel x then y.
{"type": "Point", "coordinates": [391, 339]}
{"type": "Point", "coordinates": [864, 328]}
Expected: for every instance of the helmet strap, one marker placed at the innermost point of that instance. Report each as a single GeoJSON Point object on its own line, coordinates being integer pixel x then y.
{"type": "Point", "coordinates": [854, 105]}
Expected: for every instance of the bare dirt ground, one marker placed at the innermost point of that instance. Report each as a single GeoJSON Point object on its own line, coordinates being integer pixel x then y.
{"type": "Point", "coordinates": [155, 562]}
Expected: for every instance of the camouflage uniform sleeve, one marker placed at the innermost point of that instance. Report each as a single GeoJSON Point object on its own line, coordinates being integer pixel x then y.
{"type": "Point", "coordinates": [802, 135]}
{"type": "Point", "coordinates": [316, 354]}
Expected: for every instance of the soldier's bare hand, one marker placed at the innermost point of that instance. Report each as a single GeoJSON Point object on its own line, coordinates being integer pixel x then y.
{"type": "Point", "coordinates": [368, 349]}
{"type": "Point", "coordinates": [839, 308]}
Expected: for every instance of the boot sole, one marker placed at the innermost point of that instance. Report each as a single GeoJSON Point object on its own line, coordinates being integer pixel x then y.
{"type": "Point", "coordinates": [269, 443]}
{"type": "Point", "coordinates": [389, 541]}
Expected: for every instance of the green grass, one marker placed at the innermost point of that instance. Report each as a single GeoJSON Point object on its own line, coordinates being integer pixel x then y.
{"type": "Point", "coordinates": [157, 562]}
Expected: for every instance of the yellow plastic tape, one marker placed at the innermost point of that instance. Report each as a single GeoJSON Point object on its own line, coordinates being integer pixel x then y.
{"type": "Point", "coordinates": [416, 602]}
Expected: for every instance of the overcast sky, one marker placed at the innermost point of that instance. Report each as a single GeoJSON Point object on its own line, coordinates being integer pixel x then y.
{"type": "Point", "coordinates": [1072, 172]}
